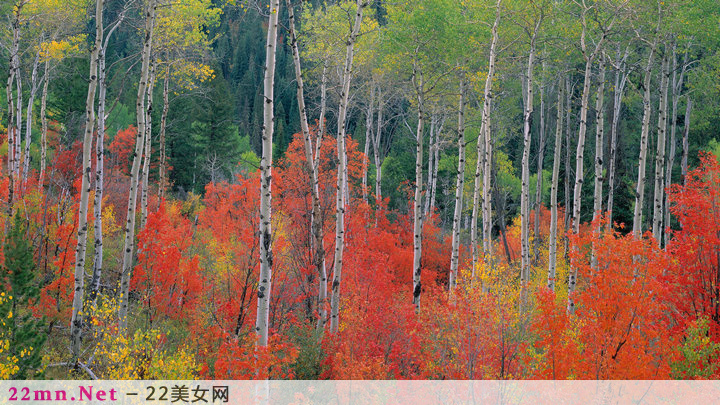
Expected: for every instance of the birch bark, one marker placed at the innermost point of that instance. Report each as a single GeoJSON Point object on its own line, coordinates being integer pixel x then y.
{"type": "Point", "coordinates": [266, 254]}
{"type": "Point", "coordinates": [76, 323]}
{"type": "Point", "coordinates": [140, 114]}
{"type": "Point", "coordinates": [342, 171]}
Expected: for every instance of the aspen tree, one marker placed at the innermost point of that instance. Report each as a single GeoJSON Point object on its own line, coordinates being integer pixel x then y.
{"type": "Point", "coordinates": [552, 249]}
{"type": "Point", "coordinates": [459, 187]}
{"type": "Point", "coordinates": [341, 180]}
{"type": "Point", "coordinates": [140, 114]}
{"type": "Point", "coordinates": [266, 254]}
{"type": "Point", "coordinates": [621, 77]}
{"type": "Point", "coordinates": [316, 220]}
{"type": "Point", "coordinates": [659, 194]}
{"type": "Point", "coordinates": [76, 322]}
{"type": "Point", "coordinates": [483, 154]}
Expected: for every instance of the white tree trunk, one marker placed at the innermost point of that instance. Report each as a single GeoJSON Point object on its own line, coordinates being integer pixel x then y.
{"type": "Point", "coordinates": [640, 190]}
{"type": "Point", "coordinates": [376, 147]}
{"type": "Point", "coordinates": [140, 114]}
{"type": "Point", "coordinates": [76, 323]}
{"type": "Point", "coordinates": [316, 219]}
{"type": "Point", "coordinates": [525, 177]}
{"type": "Point", "coordinates": [43, 118]}
{"type": "Point", "coordinates": [686, 137]}
{"type": "Point", "coordinates": [417, 199]}
{"type": "Point", "coordinates": [482, 153]}
{"type": "Point", "coordinates": [342, 171]}
{"type": "Point", "coordinates": [459, 187]}
{"type": "Point", "coordinates": [677, 83]}
{"type": "Point", "coordinates": [147, 154]}
{"type": "Point", "coordinates": [552, 248]}
{"type": "Point", "coordinates": [599, 142]}
{"type": "Point", "coordinates": [431, 156]}
{"type": "Point", "coordinates": [28, 120]}
{"type": "Point", "coordinates": [368, 137]}
{"type": "Point", "coordinates": [162, 173]}
{"type": "Point", "coordinates": [266, 255]}
{"type": "Point", "coordinates": [540, 163]}
{"type": "Point", "coordinates": [659, 195]}
{"type": "Point", "coordinates": [618, 90]}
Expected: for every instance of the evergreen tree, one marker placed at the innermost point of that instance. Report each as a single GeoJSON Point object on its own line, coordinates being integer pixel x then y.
{"type": "Point", "coordinates": [18, 279]}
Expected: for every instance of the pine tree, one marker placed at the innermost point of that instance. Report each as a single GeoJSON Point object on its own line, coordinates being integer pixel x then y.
{"type": "Point", "coordinates": [18, 279]}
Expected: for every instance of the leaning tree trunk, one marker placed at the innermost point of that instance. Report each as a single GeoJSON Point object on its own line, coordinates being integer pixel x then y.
{"type": "Point", "coordinates": [459, 187]}
{"type": "Point", "coordinates": [148, 148]}
{"type": "Point", "coordinates": [640, 190]}
{"type": "Point", "coordinates": [417, 199]}
{"type": "Point", "coordinates": [316, 220]}
{"type": "Point", "coordinates": [76, 322]}
{"type": "Point", "coordinates": [162, 173]}
{"type": "Point", "coordinates": [266, 256]}
{"type": "Point", "coordinates": [44, 120]}
{"type": "Point", "coordinates": [618, 90]}
{"type": "Point", "coordinates": [140, 114]}
{"type": "Point", "coordinates": [659, 194]}
{"type": "Point", "coordinates": [525, 179]}
{"type": "Point", "coordinates": [482, 153]}
{"type": "Point", "coordinates": [342, 170]}
{"type": "Point", "coordinates": [552, 249]}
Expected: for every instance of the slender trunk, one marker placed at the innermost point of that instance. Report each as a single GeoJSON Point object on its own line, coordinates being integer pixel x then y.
{"type": "Point", "coordinates": [618, 90]}
{"type": "Point", "coordinates": [568, 156]}
{"type": "Point", "coordinates": [316, 219]}
{"type": "Point", "coordinates": [28, 120]}
{"type": "Point", "coordinates": [100, 167]}
{"type": "Point", "coordinates": [539, 180]}
{"type": "Point", "coordinates": [659, 195]}
{"type": "Point", "coordinates": [525, 179]}
{"type": "Point", "coordinates": [599, 157]}
{"type": "Point", "coordinates": [266, 256]}
{"type": "Point", "coordinates": [640, 190]}
{"type": "Point", "coordinates": [376, 148]}
{"type": "Point", "coordinates": [552, 249]}
{"type": "Point", "coordinates": [436, 165]}
{"type": "Point", "coordinates": [579, 156]}
{"type": "Point", "coordinates": [76, 323]}
{"type": "Point", "coordinates": [323, 107]}
{"type": "Point", "coordinates": [431, 148]}
{"type": "Point", "coordinates": [686, 137]}
{"type": "Point", "coordinates": [459, 187]}
{"type": "Point", "coordinates": [148, 148]}
{"type": "Point", "coordinates": [677, 84]}
{"type": "Point", "coordinates": [140, 113]}
{"type": "Point", "coordinates": [368, 137]}
{"type": "Point", "coordinates": [18, 123]}
{"type": "Point", "coordinates": [162, 174]}
{"type": "Point", "coordinates": [417, 199]}
{"type": "Point", "coordinates": [482, 152]}
{"type": "Point", "coordinates": [599, 142]}
{"type": "Point", "coordinates": [43, 118]}
{"type": "Point", "coordinates": [13, 132]}
{"type": "Point", "coordinates": [342, 180]}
